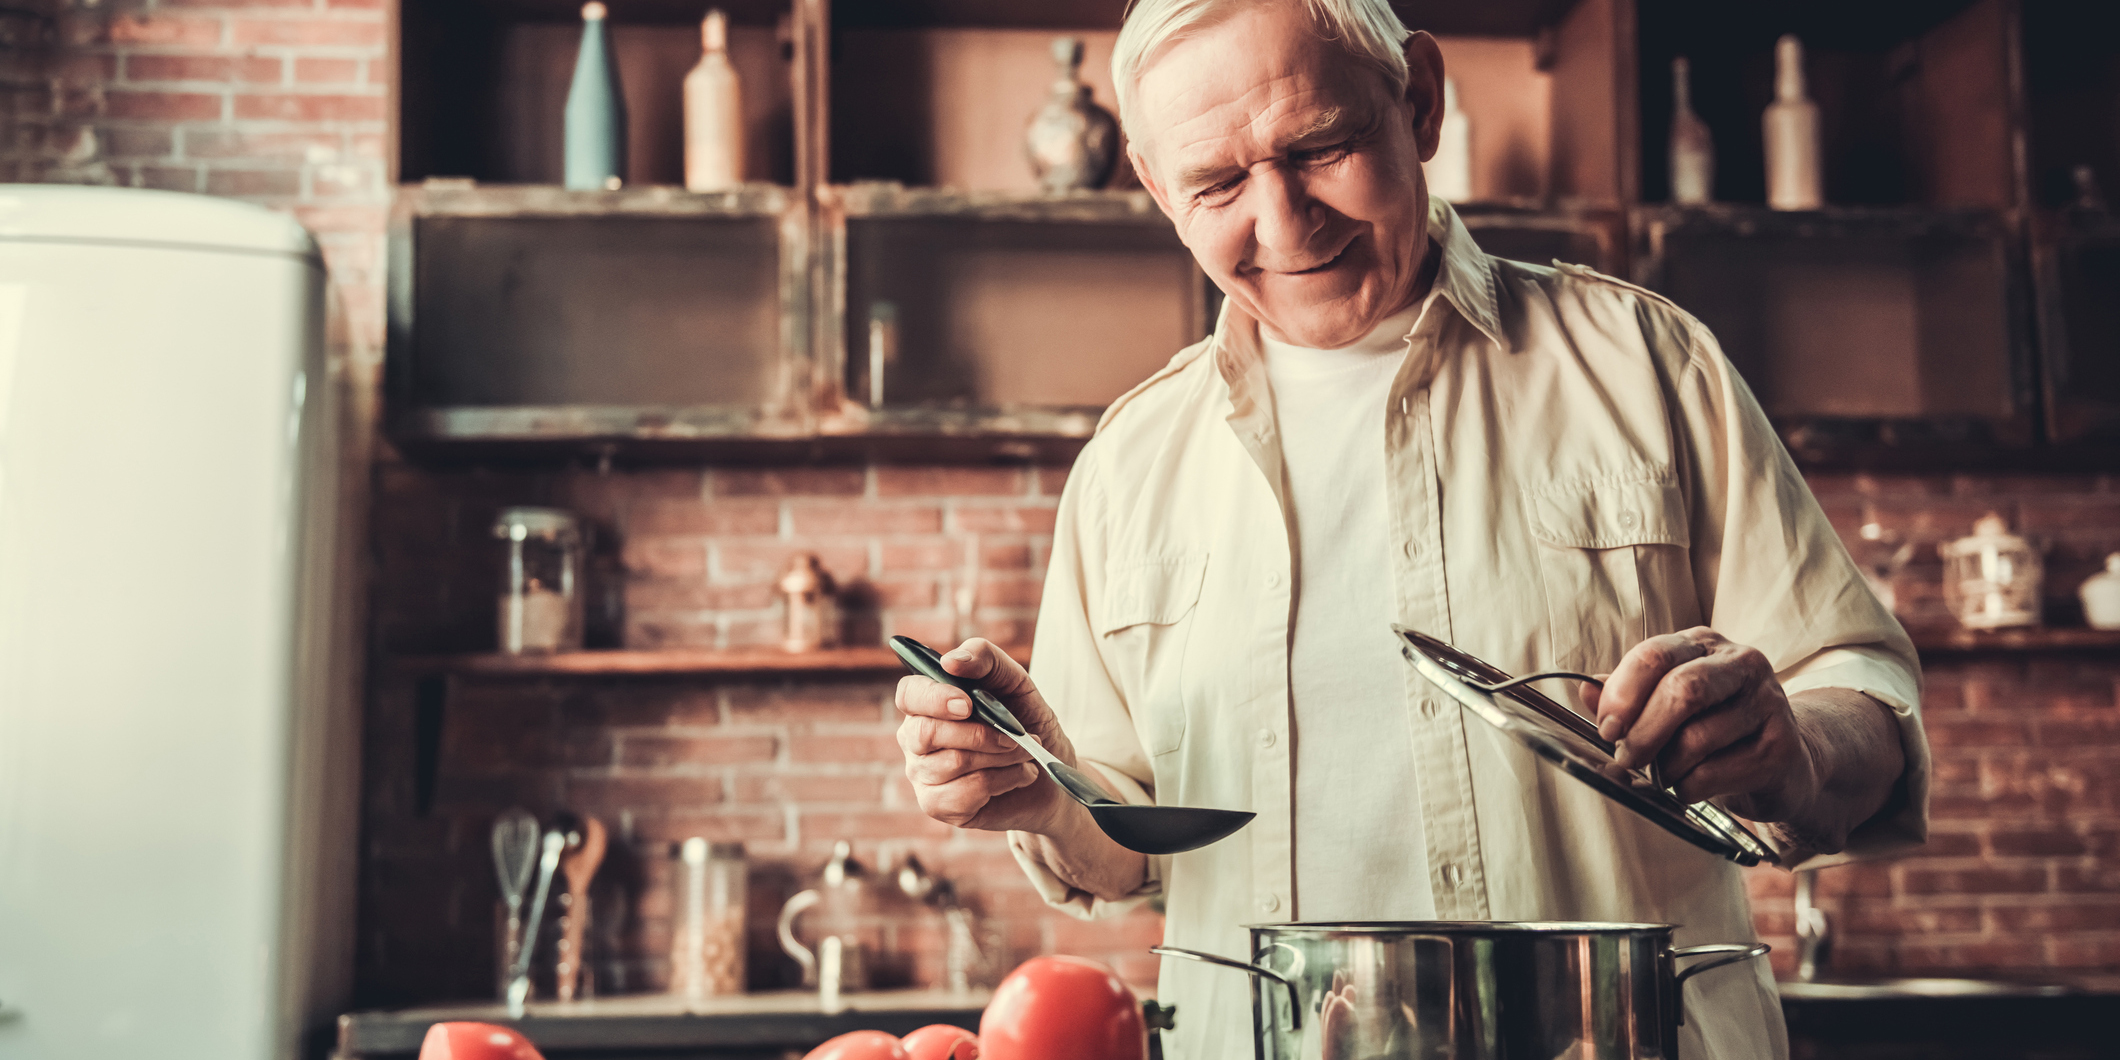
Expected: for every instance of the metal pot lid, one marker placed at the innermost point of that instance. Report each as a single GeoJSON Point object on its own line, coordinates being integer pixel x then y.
{"type": "Point", "coordinates": [1568, 740]}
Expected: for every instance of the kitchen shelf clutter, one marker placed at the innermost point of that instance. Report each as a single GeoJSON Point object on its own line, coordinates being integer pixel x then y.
{"type": "Point", "coordinates": [667, 662]}
{"type": "Point", "coordinates": [893, 272]}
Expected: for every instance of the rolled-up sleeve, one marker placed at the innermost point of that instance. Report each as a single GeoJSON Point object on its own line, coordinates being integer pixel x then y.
{"type": "Point", "coordinates": [1071, 672]}
{"type": "Point", "coordinates": [1774, 575]}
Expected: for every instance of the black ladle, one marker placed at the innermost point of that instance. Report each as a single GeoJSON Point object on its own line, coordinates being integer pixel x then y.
{"type": "Point", "coordinates": [1147, 829]}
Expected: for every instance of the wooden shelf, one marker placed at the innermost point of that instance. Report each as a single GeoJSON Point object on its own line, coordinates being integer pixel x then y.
{"type": "Point", "coordinates": [670, 662]}
{"type": "Point", "coordinates": [1952, 640]}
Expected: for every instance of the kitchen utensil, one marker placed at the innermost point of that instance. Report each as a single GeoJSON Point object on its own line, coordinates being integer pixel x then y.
{"type": "Point", "coordinates": [547, 864]}
{"type": "Point", "coordinates": [1470, 990]}
{"type": "Point", "coordinates": [515, 836]}
{"type": "Point", "coordinates": [1568, 740]}
{"type": "Point", "coordinates": [843, 906]}
{"type": "Point", "coordinates": [584, 854]}
{"type": "Point", "coordinates": [1147, 829]}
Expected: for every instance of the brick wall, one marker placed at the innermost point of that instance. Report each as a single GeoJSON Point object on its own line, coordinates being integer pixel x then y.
{"type": "Point", "coordinates": [2024, 872]}
{"type": "Point", "coordinates": [279, 102]}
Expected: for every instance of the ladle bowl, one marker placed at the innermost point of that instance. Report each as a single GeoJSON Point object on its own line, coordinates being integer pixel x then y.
{"type": "Point", "coordinates": [1146, 829]}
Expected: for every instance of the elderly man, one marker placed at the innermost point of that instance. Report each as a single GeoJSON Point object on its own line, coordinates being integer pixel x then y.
{"type": "Point", "coordinates": [1546, 467]}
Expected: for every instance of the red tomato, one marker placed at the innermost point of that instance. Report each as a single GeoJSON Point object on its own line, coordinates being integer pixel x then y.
{"type": "Point", "coordinates": [940, 1041]}
{"type": "Point", "coordinates": [476, 1041]}
{"type": "Point", "coordinates": [1063, 1008]}
{"type": "Point", "coordinates": [860, 1045]}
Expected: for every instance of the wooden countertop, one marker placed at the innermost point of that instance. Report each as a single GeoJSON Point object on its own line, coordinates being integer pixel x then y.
{"type": "Point", "coordinates": [789, 1019]}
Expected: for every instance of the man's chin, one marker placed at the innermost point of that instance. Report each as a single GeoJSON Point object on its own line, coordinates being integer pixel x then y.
{"type": "Point", "coordinates": [1328, 325]}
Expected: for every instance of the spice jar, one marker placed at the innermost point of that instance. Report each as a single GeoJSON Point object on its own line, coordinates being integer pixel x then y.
{"type": "Point", "coordinates": [812, 603]}
{"type": "Point", "coordinates": [541, 593]}
{"type": "Point", "coordinates": [1991, 579]}
{"type": "Point", "coordinates": [707, 940]}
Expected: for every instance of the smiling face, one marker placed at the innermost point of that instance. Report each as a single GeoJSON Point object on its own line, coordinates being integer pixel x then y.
{"type": "Point", "coordinates": [1291, 170]}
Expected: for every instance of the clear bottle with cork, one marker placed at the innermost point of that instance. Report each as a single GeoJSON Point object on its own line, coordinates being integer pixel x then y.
{"type": "Point", "coordinates": [540, 603]}
{"type": "Point", "coordinates": [714, 149]}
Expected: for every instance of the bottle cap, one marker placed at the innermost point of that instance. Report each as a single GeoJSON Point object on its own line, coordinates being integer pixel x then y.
{"type": "Point", "coordinates": [593, 11]}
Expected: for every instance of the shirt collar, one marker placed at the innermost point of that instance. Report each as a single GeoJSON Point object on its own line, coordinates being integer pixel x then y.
{"type": "Point", "coordinates": [1463, 278]}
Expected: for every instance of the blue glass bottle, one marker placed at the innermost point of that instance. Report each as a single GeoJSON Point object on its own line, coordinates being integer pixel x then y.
{"type": "Point", "coordinates": [596, 110]}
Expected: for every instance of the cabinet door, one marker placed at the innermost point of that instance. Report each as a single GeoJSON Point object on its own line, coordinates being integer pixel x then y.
{"type": "Point", "coordinates": [2078, 260]}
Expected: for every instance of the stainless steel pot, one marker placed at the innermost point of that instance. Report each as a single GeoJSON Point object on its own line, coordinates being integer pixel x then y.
{"type": "Point", "coordinates": [1468, 990]}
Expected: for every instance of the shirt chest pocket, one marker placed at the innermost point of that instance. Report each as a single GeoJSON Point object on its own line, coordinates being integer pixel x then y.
{"type": "Point", "coordinates": [1611, 556]}
{"type": "Point", "coordinates": [1143, 624]}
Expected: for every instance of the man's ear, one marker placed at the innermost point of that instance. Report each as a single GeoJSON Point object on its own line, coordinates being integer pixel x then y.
{"type": "Point", "coordinates": [1424, 91]}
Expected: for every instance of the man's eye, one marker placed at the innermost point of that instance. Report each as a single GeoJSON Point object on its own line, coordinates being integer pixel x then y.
{"type": "Point", "coordinates": [1219, 195]}
{"type": "Point", "coordinates": [1320, 156]}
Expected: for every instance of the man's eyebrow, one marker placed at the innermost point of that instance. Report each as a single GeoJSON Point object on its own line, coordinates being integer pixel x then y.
{"type": "Point", "coordinates": [1329, 123]}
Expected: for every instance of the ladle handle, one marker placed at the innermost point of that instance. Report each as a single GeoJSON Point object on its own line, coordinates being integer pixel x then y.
{"type": "Point", "coordinates": [927, 662]}
{"type": "Point", "coordinates": [1295, 996]}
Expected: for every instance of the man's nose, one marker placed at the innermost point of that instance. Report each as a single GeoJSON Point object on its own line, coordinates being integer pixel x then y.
{"type": "Point", "coordinates": [1287, 218]}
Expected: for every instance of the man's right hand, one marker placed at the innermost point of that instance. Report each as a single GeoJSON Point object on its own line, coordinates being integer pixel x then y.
{"type": "Point", "coordinates": [967, 774]}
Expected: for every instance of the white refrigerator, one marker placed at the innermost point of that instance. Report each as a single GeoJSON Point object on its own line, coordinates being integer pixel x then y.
{"type": "Point", "coordinates": [178, 739]}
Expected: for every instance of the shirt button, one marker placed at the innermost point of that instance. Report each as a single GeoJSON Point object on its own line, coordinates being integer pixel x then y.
{"type": "Point", "coordinates": [1273, 581]}
{"type": "Point", "coordinates": [1270, 903]}
{"type": "Point", "coordinates": [1451, 876]}
{"type": "Point", "coordinates": [1626, 519]}
{"type": "Point", "coordinates": [1429, 708]}
{"type": "Point", "coordinates": [1266, 738]}
{"type": "Point", "coordinates": [1410, 548]}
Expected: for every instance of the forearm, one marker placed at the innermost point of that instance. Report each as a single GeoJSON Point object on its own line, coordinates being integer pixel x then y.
{"type": "Point", "coordinates": [1084, 858]}
{"type": "Point", "coordinates": [1854, 759]}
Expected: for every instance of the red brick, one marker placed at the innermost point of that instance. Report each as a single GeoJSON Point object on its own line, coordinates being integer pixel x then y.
{"type": "Point", "coordinates": [606, 795]}
{"type": "Point", "coordinates": [300, 32]}
{"type": "Point", "coordinates": [870, 824]}
{"type": "Point", "coordinates": [2102, 914]}
{"type": "Point", "coordinates": [819, 518]}
{"type": "Point", "coordinates": [950, 481]}
{"type": "Point", "coordinates": [726, 826]}
{"type": "Point", "coordinates": [2088, 732]}
{"type": "Point", "coordinates": [163, 106]}
{"type": "Point", "coordinates": [1969, 955]}
{"type": "Point", "coordinates": [656, 752]}
{"type": "Point", "coordinates": [940, 554]}
{"type": "Point", "coordinates": [2094, 879]}
{"type": "Point", "coordinates": [253, 182]}
{"type": "Point", "coordinates": [851, 747]}
{"type": "Point", "coordinates": [1944, 844]}
{"type": "Point", "coordinates": [163, 29]}
{"type": "Point", "coordinates": [2043, 843]}
{"type": "Point", "coordinates": [170, 178]}
{"type": "Point", "coordinates": [310, 107]}
{"type": "Point", "coordinates": [215, 68]}
{"type": "Point", "coordinates": [789, 482]}
{"type": "Point", "coordinates": [678, 558]}
{"type": "Point", "coordinates": [673, 517]}
{"type": "Point", "coordinates": [905, 592]}
{"type": "Point", "coordinates": [1974, 881]}
{"type": "Point", "coordinates": [1010, 590]}
{"type": "Point", "coordinates": [1004, 555]}
{"type": "Point", "coordinates": [809, 789]}
{"type": "Point", "coordinates": [644, 704]}
{"type": "Point", "coordinates": [930, 629]}
{"type": "Point", "coordinates": [2101, 952]}
{"type": "Point", "coordinates": [983, 519]}
{"type": "Point", "coordinates": [809, 703]}
{"type": "Point", "coordinates": [312, 71]}
{"type": "Point", "coordinates": [736, 561]}
{"type": "Point", "coordinates": [122, 142]}
{"type": "Point", "coordinates": [1954, 732]}
{"type": "Point", "coordinates": [692, 594]}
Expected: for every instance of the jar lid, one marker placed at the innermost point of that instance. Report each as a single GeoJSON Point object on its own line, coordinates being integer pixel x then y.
{"type": "Point", "coordinates": [534, 522]}
{"type": "Point", "coordinates": [697, 851]}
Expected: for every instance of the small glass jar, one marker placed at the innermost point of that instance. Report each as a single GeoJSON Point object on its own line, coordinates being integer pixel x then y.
{"type": "Point", "coordinates": [540, 605]}
{"type": "Point", "coordinates": [1991, 579]}
{"type": "Point", "coordinates": [707, 921]}
{"type": "Point", "coordinates": [811, 617]}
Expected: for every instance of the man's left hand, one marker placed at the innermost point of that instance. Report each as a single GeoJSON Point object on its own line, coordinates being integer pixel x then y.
{"type": "Point", "coordinates": [1712, 715]}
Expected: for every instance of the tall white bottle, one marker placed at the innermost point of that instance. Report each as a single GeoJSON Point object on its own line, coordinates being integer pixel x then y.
{"type": "Point", "coordinates": [1692, 148]}
{"type": "Point", "coordinates": [713, 113]}
{"type": "Point", "coordinates": [1450, 171]}
{"type": "Point", "coordinates": [1791, 127]}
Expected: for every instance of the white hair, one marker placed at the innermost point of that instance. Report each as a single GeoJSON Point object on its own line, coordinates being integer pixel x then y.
{"type": "Point", "coordinates": [1369, 30]}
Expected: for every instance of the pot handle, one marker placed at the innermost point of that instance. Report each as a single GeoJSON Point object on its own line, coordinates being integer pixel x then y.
{"type": "Point", "coordinates": [1295, 997]}
{"type": "Point", "coordinates": [1738, 951]}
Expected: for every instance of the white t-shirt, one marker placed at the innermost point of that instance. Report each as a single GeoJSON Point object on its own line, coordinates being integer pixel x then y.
{"type": "Point", "coordinates": [1357, 819]}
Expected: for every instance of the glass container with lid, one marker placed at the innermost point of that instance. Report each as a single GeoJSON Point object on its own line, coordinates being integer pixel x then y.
{"type": "Point", "coordinates": [540, 604]}
{"type": "Point", "coordinates": [1991, 579]}
{"type": "Point", "coordinates": [707, 936]}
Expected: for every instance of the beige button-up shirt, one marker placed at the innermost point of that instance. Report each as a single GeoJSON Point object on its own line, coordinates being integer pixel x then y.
{"type": "Point", "coordinates": [1571, 466]}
